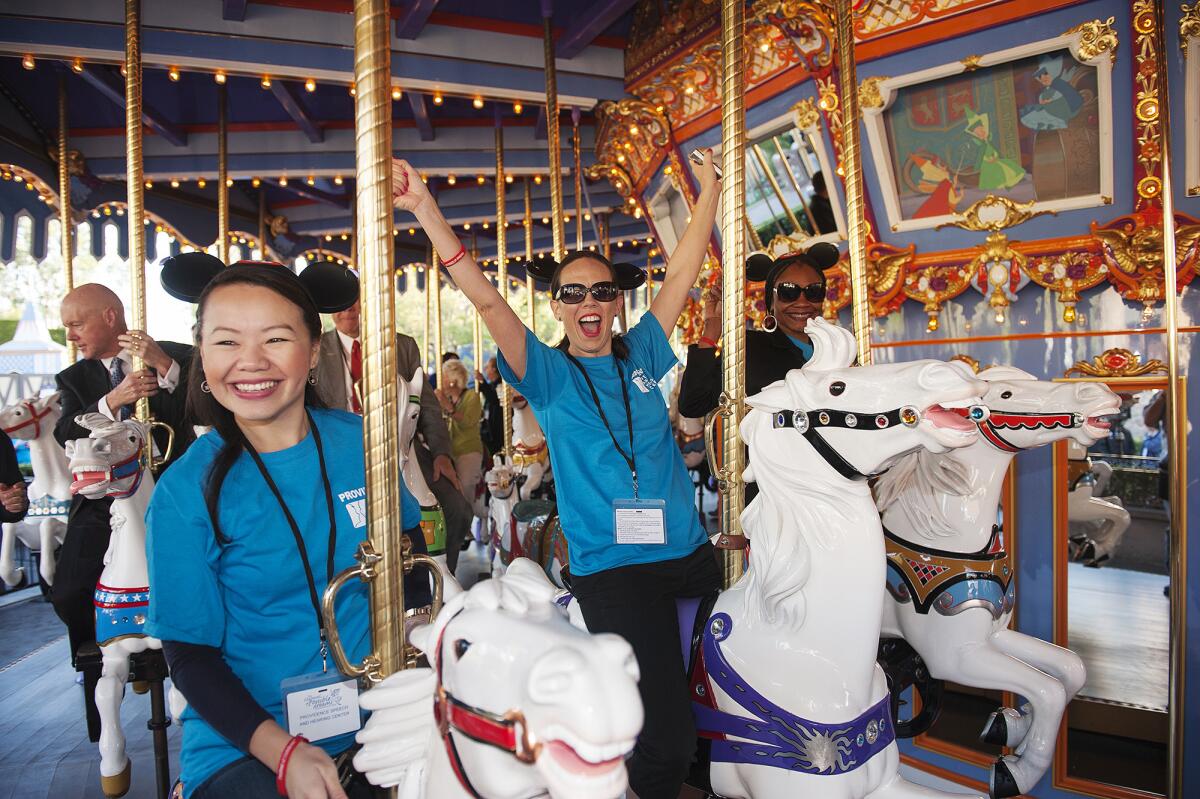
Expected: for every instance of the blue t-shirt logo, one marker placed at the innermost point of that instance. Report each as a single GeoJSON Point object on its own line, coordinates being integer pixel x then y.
{"type": "Point", "coordinates": [356, 505]}
{"type": "Point", "coordinates": [643, 381]}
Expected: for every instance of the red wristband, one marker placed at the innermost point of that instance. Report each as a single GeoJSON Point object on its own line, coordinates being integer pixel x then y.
{"type": "Point", "coordinates": [284, 757]}
{"type": "Point", "coordinates": [709, 342]}
{"type": "Point", "coordinates": [458, 256]}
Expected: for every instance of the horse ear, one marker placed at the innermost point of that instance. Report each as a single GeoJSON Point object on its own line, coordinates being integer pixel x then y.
{"type": "Point", "coordinates": [833, 346]}
{"type": "Point", "coordinates": [774, 397]}
{"type": "Point", "coordinates": [417, 384]}
{"type": "Point", "coordinates": [93, 421]}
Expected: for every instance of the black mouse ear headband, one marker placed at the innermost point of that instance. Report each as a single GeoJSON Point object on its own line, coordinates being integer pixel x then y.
{"type": "Point", "coordinates": [759, 265]}
{"type": "Point", "coordinates": [333, 288]}
{"type": "Point", "coordinates": [543, 270]}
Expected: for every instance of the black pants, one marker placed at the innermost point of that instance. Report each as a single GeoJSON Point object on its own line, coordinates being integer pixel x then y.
{"type": "Point", "coordinates": [80, 562]}
{"type": "Point", "coordinates": [454, 505]}
{"type": "Point", "coordinates": [638, 603]}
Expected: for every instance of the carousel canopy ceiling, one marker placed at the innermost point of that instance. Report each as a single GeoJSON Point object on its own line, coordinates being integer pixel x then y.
{"type": "Point", "coordinates": [460, 67]}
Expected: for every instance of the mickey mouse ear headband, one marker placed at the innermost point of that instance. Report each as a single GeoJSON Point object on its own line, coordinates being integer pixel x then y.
{"type": "Point", "coordinates": [628, 276]}
{"type": "Point", "coordinates": [332, 288]}
{"type": "Point", "coordinates": [822, 255]}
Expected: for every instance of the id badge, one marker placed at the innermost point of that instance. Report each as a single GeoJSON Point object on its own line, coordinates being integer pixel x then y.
{"type": "Point", "coordinates": [320, 705]}
{"type": "Point", "coordinates": [640, 521]}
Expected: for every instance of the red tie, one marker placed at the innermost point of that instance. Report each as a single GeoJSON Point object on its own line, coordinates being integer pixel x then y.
{"type": "Point", "coordinates": [355, 375]}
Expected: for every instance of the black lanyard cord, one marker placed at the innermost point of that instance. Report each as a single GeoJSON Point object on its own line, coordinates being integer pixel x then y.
{"type": "Point", "coordinates": [308, 573]}
{"type": "Point", "coordinates": [631, 458]}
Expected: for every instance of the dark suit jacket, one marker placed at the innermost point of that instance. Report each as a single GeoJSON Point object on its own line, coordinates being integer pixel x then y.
{"type": "Point", "coordinates": [769, 357]}
{"type": "Point", "coordinates": [10, 474]}
{"type": "Point", "coordinates": [331, 386]}
{"type": "Point", "coordinates": [84, 383]}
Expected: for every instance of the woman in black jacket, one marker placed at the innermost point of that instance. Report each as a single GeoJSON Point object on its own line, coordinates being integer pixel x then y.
{"type": "Point", "coordinates": [795, 291]}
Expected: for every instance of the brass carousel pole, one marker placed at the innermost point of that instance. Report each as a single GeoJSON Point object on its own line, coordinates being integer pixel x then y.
{"type": "Point", "coordinates": [64, 199]}
{"type": "Point", "coordinates": [530, 289]}
{"type": "Point", "coordinates": [787, 167]}
{"type": "Point", "coordinates": [425, 330]}
{"type": "Point", "coordinates": [733, 255]}
{"type": "Point", "coordinates": [477, 322]}
{"type": "Point", "coordinates": [766, 168]}
{"type": "Point", "coordinates": [433, 284]}
{"type": "Point", "coordinates": [552, 135]}
{"type": "Point", "coordinates": [222, 174]}
{"type": "Point", "coordinates": [578, 179]}
{"type": "Point", "coordinates": [852, 166]}
{"type": "Point", "coordinates": [502, 269]}
{"type": "Point", "coordinates": [262, 223]}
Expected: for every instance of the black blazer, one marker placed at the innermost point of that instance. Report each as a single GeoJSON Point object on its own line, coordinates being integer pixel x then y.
{"type": "Point", "coordinates": [769, 357]}
{"type": "Point", "coordinates": [84, 383]}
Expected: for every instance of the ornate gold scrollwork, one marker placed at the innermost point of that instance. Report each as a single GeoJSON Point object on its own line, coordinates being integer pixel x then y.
{"type": "Point", "coordinates": [1132, 249]}
{"type": "Point", "coordinates": [996, 261]}
{"type": "Point", "coordinates": [805, 115]}
{"type": "Point", "coordinates": [1117, 362]}
{"type": "Point", "coordinates": [1067, 274]}
{"type": "Point", "coordinates": [934, 284]}
{"type": "Point", "coordinates": [971, 63]}
{"type": "Point", "coordinates": [995, 213]}
{"type": "Point", "coordinates": [969, 361]}
{"type": "Point", "coordinates": [1095, 39]}
{"type": "Point", "coordinates": [1189, 25]}
{"type": "Point", "coordinates": [869, 95]}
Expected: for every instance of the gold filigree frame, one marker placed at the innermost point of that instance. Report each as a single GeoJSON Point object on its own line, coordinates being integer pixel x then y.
{"type": "Point", "coordinates": [1117, 362]}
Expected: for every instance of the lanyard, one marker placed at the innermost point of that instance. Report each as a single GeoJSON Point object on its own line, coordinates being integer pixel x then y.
{"type": "Point", "coordinates": [630, 459]}
{"type": "Point", "coordinates": [308, 572]}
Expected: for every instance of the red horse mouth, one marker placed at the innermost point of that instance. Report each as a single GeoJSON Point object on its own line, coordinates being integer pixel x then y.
{"type": "Point", "coordinates": [86, 480]}
{"type": "Point", "coordinates": [948, 419]}
{"type": "Point", "coordinates": [569, 760]}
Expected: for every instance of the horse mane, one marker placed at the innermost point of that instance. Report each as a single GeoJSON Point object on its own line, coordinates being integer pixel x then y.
{"type": "Point", "coordinates": [914, 482]}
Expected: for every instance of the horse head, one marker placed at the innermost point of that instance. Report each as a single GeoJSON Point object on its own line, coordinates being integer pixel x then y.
{"type": "Point", "coordinates": [1025, 412]}
{"type": "Point", "coordinates": [108, 462]}
{"type": "Point", "coordinates": [409, 392]}
{"type": "Point", "coordinates": [26, 419]}
{"type": "Point", "coordinates": [860, 419]}
{"type": "Point", "coordinates": [501, 479]}
{"type": "Point", "coordinates": [525, 703]}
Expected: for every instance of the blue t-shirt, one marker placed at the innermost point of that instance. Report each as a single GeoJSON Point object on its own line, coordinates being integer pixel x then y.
{"type": "Point", "coordinates": [806, 348]}
{"type": "Point", "coordinates": [249, 597]}
{"type": "Point", "coordinates": [589, 473]}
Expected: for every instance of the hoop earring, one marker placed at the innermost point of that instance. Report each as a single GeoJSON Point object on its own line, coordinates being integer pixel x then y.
{"type": "Point", "coordinates": [769, 324]}
{"type": "Point", "coordinates": [204, 387]}
{"type": "Point", "coordinates": [312, 377]}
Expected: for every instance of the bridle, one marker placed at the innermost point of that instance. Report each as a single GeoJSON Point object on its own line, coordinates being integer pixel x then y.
{"type": "Point", "coordinates": [506, 731]}
{"type": "Point", "coordinates": [991, 424]}
{"type": "Point", "coordinates": [34, 419]}
{"type": "Point", "coordinates": [807, 424]}
{"type": "Point", "coordinates": [122, 469]}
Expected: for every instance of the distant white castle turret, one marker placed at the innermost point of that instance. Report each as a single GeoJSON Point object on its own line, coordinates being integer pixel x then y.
{"type": "Point", "coordinates": [31, 350]}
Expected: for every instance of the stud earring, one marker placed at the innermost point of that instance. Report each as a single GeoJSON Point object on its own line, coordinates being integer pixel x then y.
{"type": "Point", "coordinates": [204, 387]}
{"type": "Point", "coordinates": [769, 324]}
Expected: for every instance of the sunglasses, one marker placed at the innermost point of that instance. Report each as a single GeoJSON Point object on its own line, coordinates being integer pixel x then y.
{"type": "Point", "coordinates": [790, 292]}
{"type": "Point", "coordinates": [575, 293]}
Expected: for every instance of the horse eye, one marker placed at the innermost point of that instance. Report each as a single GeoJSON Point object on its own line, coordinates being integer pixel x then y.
{"type": "Point", "coordinates": [460, 647]}
{"type": "Point", "coordinates": [1006, 395]}
{"type": "Point", "coordinates": [836, 388]}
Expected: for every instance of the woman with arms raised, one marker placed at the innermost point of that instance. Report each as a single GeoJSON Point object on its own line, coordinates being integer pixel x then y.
{"type": "Point", "coordinates": [624, 496]}
{"type": "Point", "coordinates": [245, 532]}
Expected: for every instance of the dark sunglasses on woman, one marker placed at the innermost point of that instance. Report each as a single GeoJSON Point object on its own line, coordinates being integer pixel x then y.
{"type": "Point", "coordinates": [574, 293]}
{"type": "Point", "coordinates": [790, 292]}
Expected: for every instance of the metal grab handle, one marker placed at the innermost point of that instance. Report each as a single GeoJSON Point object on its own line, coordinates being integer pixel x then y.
{"type": "Point", "coordinates": [710, 434]}
{"type": "Point", "coordinates": [365, 571]}
{"type": "Point", "coordinates": [165, 456]}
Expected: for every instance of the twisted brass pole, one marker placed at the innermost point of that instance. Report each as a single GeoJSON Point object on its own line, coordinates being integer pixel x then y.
{"type": "Point", "coordinates": [787, 166]}
{"type": "Point", "coordinates": [554, 142]}
{"type": "Point", "coordinates": [852, 166]}
{"type": "Point", "coordinates": [433, 284]}
{"type": "Point", "coordinates": [477, 321]}
{"type": "Point", "coordinates": [502, 270]}
{"type": "Point", "coordinates": [135, 187]}
{"type": "Point", "coordinates": [578, 179]}
{"type": "Point", "coordinates": [380, 397]}
{"type": "Point", "coordinates": [787, 209]}
{"type": "Point", "coordinates": [733, 255]}
{"type": "Point", "coordinates": [222, 174]}
{"type": "Point", "coordinates": [262, 225]}
{"type": "Point", "coordinates": [529, 287]}
{"type": "Point", "coordinates": [64, 200]}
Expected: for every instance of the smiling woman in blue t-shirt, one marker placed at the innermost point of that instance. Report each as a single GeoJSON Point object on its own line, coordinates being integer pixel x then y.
{"type": "Point", "coordinates": [243, 534]}
{"type": "Point", "coordinates": [624, 496]}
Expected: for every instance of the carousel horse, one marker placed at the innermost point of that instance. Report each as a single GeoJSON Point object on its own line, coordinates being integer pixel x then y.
{"type": "Point", "coordinates": [45, 524]}
{"type": "Point", "coordinates": [518, 702]}
{"type": "Point", "coordinates": [503, 543]}
{"type": "Point", "coordinates": [1098, 523]}
{"type": "Point", "coordinates": [540, 532]}
{"type": "Point", "coordinates": [109, 463]}
{"type": "Point", "coordinates": [950, 576]}
{"type": "Point", "coordinates": [433, 520]}
{"type": "Point", "coordinates": [531, 456]}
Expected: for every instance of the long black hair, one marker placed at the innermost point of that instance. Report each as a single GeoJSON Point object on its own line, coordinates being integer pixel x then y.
{"type": "Point", "coordinates": [620, 349]}
{"type": "Point", "coordinates": [203, 406]}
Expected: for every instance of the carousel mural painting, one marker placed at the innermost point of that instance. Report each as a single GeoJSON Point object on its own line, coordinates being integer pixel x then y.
{"type": "Point", "coordinates": [1014, 192]}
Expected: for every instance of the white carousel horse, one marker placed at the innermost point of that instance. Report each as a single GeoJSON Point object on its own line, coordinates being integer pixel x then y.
{"type": "Point", "coordinates": [1098, 523]}
{"type": "Point", "coordinates": [109, 463]}
{"type": "Point", "coordinates": [531, 456]}
{"type": "Point", "coordinates": [946, 554]}
{"type": "Point", "coordinates": [503, 543]}
{"type": "Point", "coordinates": [45, 524]}
{"type": "Point", "coordinates": [433, 521]}
{"type": "Point", "coordinates": [518, 702]}
{"type": "Point", "coordinates": [807, 605]}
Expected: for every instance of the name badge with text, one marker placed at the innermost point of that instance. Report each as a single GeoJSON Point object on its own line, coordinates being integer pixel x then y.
{"type": "Point", "coordinates": [640, 521]}
{"type": "Point", "coordinates": [321, 705]}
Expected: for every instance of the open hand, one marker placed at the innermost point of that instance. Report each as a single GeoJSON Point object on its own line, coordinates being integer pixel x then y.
{"type": "Point", "coordinates": [311, 774]}
{"type": "Point", "coordinates": [444, 467]}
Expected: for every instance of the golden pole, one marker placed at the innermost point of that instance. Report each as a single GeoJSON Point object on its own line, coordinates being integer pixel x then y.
{"type": "Point", "coordinates": [529, 287]}
{"type": "Point", "coordinates": [552, 134]}
{"type": "Point", "coordinates": [751, 232]}
{"type": "Point", "coordinates": [502, 268]}
{"type": "Point", "coordinates": [1176, 431]}
{"type": "Point", "coordinates": [766, 168]}
{"type": "Point", "coordinates": [134, 184]}
{"type": "Point", "coordinates": [425, 334]}
{"type": "Point", "coordinates": [222, 174]}
{"type": "Point", "coordinates": [380, 400]}
{"type": "Point", "coordinates": [262, 225]}
{"type": "Point", "coordinates": [852, 166]}
{"type": "Point", "coordinates": [477, 322]}
{"type": "Point", "coordinates": [433, 284]}
{"type": "Point", "coordinates": [578, 179]}
{"type": "Point", "coordinates": [64, 199]}
{"type": "Point", "coordinates": [733, 238]}
{"type": "Point", "coordinates": [787, 167]}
